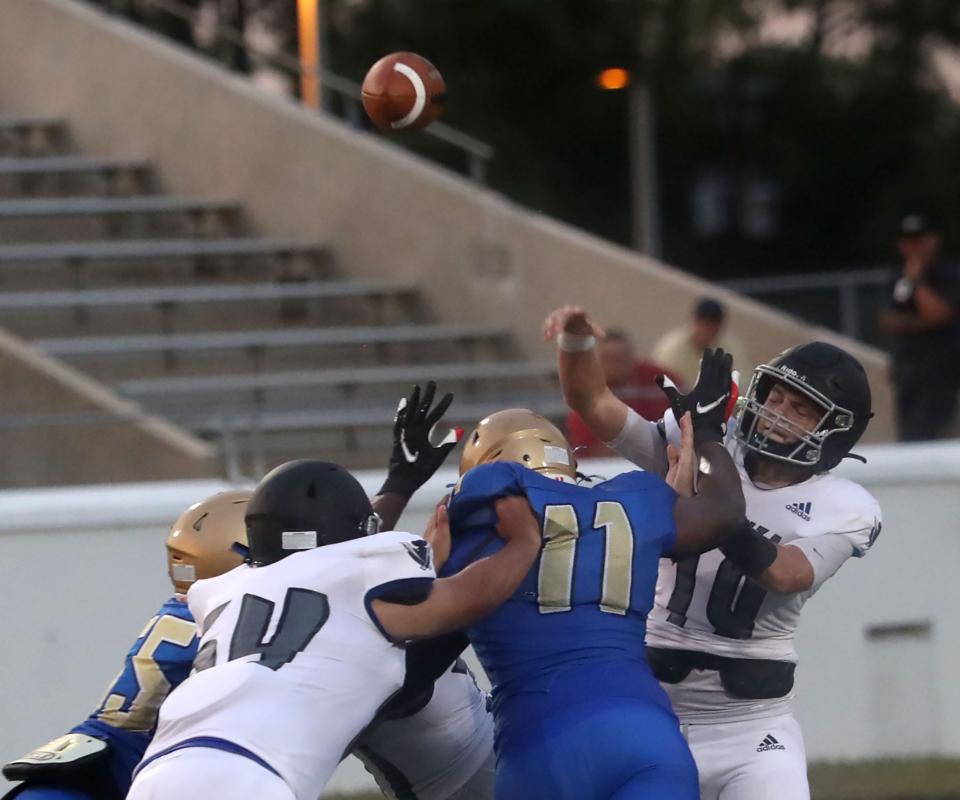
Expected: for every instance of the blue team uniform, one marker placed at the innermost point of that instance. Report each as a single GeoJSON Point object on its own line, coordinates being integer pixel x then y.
{"type": "Point", "coordinates": [159, 660]}
{"type": "Point", "coordinates": [579, 714]}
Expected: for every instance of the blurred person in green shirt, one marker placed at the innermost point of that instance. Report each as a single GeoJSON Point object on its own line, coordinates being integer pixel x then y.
{"type": "Point", "coordinates": [679, 350]}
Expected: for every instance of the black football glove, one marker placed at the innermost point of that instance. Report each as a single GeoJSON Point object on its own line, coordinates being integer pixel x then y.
{"type": "Point", "coordinates": [415, 458]}
{"type": "Point", "coordinates": [708, 400]}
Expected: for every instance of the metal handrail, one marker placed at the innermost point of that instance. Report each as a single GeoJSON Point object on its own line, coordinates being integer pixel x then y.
{"type": "Point", "coordinates": [875, 276]}
{"type": "Point", "coordinates": [845, 283]}
{"type": "Point", "coordinates": [478, 153]}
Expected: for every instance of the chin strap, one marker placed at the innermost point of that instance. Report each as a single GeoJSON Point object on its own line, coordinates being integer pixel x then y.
{"type": "Point", "coordinates": [856, 457]}
{"type": "Point", "coordinates": [241, 550]}
{"type": "Point", "coordinates": [583, 478]}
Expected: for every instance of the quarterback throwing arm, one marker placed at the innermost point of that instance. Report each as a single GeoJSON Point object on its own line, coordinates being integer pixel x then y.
{"type": "Point", "coordinates": [711, 404]}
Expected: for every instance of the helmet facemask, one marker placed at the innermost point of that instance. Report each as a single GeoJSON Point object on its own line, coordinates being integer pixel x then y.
{"type": "Point", "coordinates": [805, 448]}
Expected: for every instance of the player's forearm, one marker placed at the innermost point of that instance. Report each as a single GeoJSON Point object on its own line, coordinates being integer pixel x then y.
{"type": "Point", "coordinates": [488, 583]}
{"type": "Point", "coordinates": [707, 519]}
{"type": "Point", "coordinates": [389, 506]}
{"type": "Point", "coordinates": [585, 391]}
{"type": "Point", "coordinates": [790, 572]}
{"type": "Point", "coordinates": [461, 600]}
{"type": "Point", "coordinates": [581, 378]}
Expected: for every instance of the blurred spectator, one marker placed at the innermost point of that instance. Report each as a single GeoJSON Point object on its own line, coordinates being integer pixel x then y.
{"type": "Point", "coordinates": [923, 324]}
{"type": "Point", "coordinates": [631, 379]}
{"type": "Point", "coordinates": [681, 348]}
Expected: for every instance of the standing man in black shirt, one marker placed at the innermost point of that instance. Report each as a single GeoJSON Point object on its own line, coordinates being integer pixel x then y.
{"type": "Point", "coordinates": [924, 324]}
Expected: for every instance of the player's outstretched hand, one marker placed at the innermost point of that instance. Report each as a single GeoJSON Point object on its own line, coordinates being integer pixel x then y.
{"type": "Point", "coordinates": [682, 471]}
{"type": "Point", "coordinates": [709, 400]}
{"type": "Point", "coordinates": [571, 319]}
{"type": "Point", "coordinates": [437, 535]}
{"type": "Point", "coordinates": [419, 444]}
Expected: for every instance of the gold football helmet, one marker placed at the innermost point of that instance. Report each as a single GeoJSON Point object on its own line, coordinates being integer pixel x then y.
{"type": "Point", "coordinates": [199, 544]}
{"type": "Point", "coordinates": [521, 435]}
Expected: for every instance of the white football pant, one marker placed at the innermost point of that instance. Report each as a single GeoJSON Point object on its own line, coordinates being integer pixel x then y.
{"type": "Point", "coordinates": [196, 772]}
{"type": "Point", "coordinates": [480, 786]}
{"type": "Point", "coordinates": [757, 759]}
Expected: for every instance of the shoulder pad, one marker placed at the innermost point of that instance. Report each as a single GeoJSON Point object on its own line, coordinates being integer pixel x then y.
{"type": "Point", "coordinates": [491, 481]}
{"type": "Point", "coordinates": [174, 607]}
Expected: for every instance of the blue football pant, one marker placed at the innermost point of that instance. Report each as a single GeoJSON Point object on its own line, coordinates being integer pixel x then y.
{"type": "Point", "coordinates": [623, 750]}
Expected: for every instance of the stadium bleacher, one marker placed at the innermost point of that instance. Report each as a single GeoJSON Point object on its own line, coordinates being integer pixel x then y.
{"type": "Point", "coordinates": [175, 304]}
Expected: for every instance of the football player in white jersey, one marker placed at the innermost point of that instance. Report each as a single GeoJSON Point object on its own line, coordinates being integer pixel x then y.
{"type": "Point", "coordinates": [434, 745]}
{"type": "Point", "coordinates": [721, 635]}
{"type": "Point", "coordinates": [302, 646]}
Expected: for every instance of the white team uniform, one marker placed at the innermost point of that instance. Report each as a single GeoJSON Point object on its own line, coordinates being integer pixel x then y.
{"type": "Point", "coordinates": [442, 752]}
{"type": "Point", "coordinates": [292, 666]}
{"type": "Point", "coordinates": [704, 607]}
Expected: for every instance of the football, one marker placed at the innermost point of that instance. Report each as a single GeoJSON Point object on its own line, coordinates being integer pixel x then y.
{"type": "Point", "coordinates": [403, 90]}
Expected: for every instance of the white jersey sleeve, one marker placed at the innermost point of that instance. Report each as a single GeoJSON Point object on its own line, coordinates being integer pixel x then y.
{"type": "Point", "coordinates": [856, 526]}
{"type": "Point", "coordinates": [398, 569]}
{"type": "Point", "coordinates": [645, 443]}
{"type": "Point", "coordinates": [825, 553]}
{"type": "Point", "coordinates": [640, 442]}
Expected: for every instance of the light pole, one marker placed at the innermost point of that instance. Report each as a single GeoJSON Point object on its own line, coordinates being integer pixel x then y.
{"type": "Point", "coordinates": [309, 20]}
{"type": "Point", "coordinates": [642, 158]}
{"type": "Point", "coordinates": [644, 194]}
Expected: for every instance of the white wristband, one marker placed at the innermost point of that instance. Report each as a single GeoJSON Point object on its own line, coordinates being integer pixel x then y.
{"type": "Point", "coordinates": [575, 343]}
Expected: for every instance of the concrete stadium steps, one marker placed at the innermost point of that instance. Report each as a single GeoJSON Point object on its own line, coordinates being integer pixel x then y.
{"type": "Point", "coordinates": [147, 262]}
{"type": "Point", "coordinates": [72, 165]}
{"type": "Point", "coordinates": [58, 208]}
{"type": "Point", "coordinates": [354, 437]}
{"type": "Point", "coordinates": [255, 343]}
{"type": "Point", "coordinates": [206, 307]}
{"type": "Point", "coordinates": [31, 135]}
{"type": "Point", "coordinates": [66, 176]}
{"type": "Point", "coordinates": [95, 253]}
{"type": "Point", "coordinates": [112, 358]}
{"type": "Point", "coordinates": [253, 392]}
{"type": "Point", "coordinates": [132, 216]}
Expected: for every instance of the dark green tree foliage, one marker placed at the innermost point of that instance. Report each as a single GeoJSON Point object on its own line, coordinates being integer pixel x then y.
{"type": "Point", "coordinates": [849, 145]}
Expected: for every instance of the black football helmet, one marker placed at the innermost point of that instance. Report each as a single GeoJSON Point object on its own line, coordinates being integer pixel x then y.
{"type": "Point", "coordinates": [305, 504]}
{"type": "Point", "coordinates": [829, 376]}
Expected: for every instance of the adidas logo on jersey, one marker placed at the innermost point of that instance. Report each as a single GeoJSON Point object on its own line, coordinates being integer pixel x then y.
{"type": "Point", "coordinates": [769, 742]}
{"type": "Point", "coordinates": [802, 510]}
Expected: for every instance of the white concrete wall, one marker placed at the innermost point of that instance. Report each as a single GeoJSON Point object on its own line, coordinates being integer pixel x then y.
{"type": "Point", "coordinates": [83, 568]}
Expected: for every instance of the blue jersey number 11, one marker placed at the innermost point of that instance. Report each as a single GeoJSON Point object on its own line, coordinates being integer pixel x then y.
{"type": "Point", "coordinates": [561, 530]}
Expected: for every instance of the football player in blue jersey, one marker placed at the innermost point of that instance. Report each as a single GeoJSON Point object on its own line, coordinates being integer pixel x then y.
{"type": "Point", "coordinates": [579, 714]}
{"type": "Point", "coordinates": [96, 759]}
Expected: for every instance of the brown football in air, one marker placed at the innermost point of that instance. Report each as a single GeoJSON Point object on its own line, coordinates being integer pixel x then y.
{"type": "Point", "coordinates": [403, 90]}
